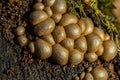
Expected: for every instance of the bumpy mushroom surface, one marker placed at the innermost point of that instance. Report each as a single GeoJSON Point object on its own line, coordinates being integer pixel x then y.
{"type": "Point", "coordinates": [93, 42]}
{"type": "Point", "coordinates": [59, 6]}
{"type": "Point", "coordinates": [99, 32]}
{"type": "Point", "coordinates": [110, 50]}
{"type": "Point", "coordinates": [60, 54]}
{"type": "Point", "coordinates": [48, 38]}
{"type": "Point", "coordinates": [88, 76]}
{"type": "Point", "coordinates": [68, 19]}
{"type": "Point", "coordinates": [20, 30]}
{"type": "Point", "coordinates": [100, 51]}
{"type": "Point", "coordinates": [99, 73]}
{"type": "Point", "coordinates": [57, 17]}
{"type": "Point", "coordinates": [45, 27]}
{"type": "Point", "coordinates": [59, 33]}
{"type": "Point", "coordinates": [68, 43]}
{"type": "Point", "coordinates": [81, 44]}
{"type": "Point", "coordinates": [38, 6]}
{"type": "Point", "coordinates": [89, 27]}
{"type": "Point", "coordinates": [91, 57]}
{"type": "Point", "coordinates": [75, 57]}
{"type": "Point", "coordinates": [82, 24]}
{"type": "Point", "coordinates": [48, 2]}
{"type": "Point", "coordinates": [43, 50]}
{"type": "Point", "coordinates": [48, 10]}
{"type": "Point", "coordinates": [73, 31]}
{"type": "Point", "coordinates": [31, 47]}
{"type": "Point", "coordinates": [22, 40]}
{"type": "Point", "coordinates": [37, 17]}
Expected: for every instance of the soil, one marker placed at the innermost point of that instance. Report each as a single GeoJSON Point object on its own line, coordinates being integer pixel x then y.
{"type": "Point", "coordinates": [17, 64]}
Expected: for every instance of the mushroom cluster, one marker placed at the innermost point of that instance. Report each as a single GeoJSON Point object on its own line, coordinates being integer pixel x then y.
{"type": "Point", "coordinates": [97, 73]}
{"type": "Point", "coordinates": [64, 37]}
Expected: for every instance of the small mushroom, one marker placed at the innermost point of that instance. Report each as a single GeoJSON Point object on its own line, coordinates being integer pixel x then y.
{"type": "Point", "coordinates": [89, 26]}
{"type": "Point", "coordinates": [22, 40]}
{"type": "Point", "coordinates": [99, 73]}
{"type": "Point", "coordinates": [99, 32]}
{"type": "Point", "coordinates": [91, 57]}
{"type": "Point", "coordinates": [43, 50]}
{"type": "Point", "coordinates": [68, 19]}
{"type": "Point", "coordinates": [37, 17]}
{"type": "Point", "coordinates": [48, 11]}
{"type": "Point", "coordinates": [106, 37]}
{"type": "Point", "coordinates": [73, 31]}
{"type": "Point", "coordinates": [88, 76]}
{"type": "Point", "coordinates": [110, 50]}
{"type": "Point", "coordinates": [31, 47]}
{"type": "Point", "coordinates": [93, 42]}
{"type": "Point", "coordinates": [82, 24]}
{"type": "Point", "coordinates": [45, 27]}
{"type": "Point", "coordinates": [68, 43]}
{"type": "Point", "coordinates": [49, 39]}
{"type": "Point", "coordinates": [82, 75]}
{"type": "Point", "coordinates": [60, 54]}
{"type": "Point", "coordinates": [20, 30]}
{"type": "Point", "coordinates": [57, 17]}
{"type": "Point", "coordinates": [59, 34]}
{"type": "Point", "coordinates": [59, 6]}
{"type": "Point", "coordinates": [48, 3]}
{"type": "Point", "coordinates": [100, 51]}
{"type": "Point", "coordinates": [38, 6]}
{"type": "Point", "coordinates": [81, 44]}
{"type": "Point", "coordinates": [75, 57]}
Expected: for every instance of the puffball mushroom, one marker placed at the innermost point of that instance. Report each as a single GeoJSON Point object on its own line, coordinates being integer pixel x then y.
{"type": "Point", "coordinates": [48, 3]}
{"type": "Point", "coordinates": [48, 38]}
{"type": "Point", "coordinates": [99, 32]}
{"type": "Point", "coordinates": [106, 37]}
{"type": "Point", "coordinates": [89, 26]}
{"type": "Point", "coordinates": [48, 10]}
{"type": "Point", "coordinates": [75, 57]}
{"type": "Point", "coordinates": [88, 76]}
{"type": "Point", "coordinates": [110, 50]}
{"type": "Point", "coordinates": [43, 50]}
{"type": "Point", "coordinates": [37, 17]}
{"type": "Point", "coordinates": [20, 30]}
{"type": "Point", "coordinates": [31, 47]}
{"type": "Point", "coordinates": [91, 56]}
{"type": "Point", "coordinates": [57, 17]}
{"type": "Point", "coordinates": [100, 51]}
{"type": "Point", "coordinates": [59, 33]}
{"type": "Point", "coordinates": [60, 54]}
{"type": "Point", "coordinates": [68, 43]}
{"type": "Point", "coordinates": [93, 42]}
{"type": "Point", "coordinates": [99, 73]}
{"type": "Point", "coordinates": [82, 24]}
{"type": "Point", "coordinates": [45, 27]}
{"type": "Point", "coordinates": [59, 6]}
{"type": "Point", "coordinates": [38, 6]}
{"type": "Point", "coordinates": [73, 31]}
{"type": "Point", "coordinates": [81, 44]}
{"type": "Point", "coordinates": [22, 40]}
{"type": "Point", "coordinates": [67, 19]}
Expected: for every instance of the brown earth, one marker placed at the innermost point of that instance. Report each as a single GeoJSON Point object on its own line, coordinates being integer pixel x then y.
{"type": "Point", "coordinates": [17, 64]}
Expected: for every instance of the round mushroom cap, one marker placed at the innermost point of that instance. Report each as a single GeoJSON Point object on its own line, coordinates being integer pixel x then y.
{"type": "Point", "coordinates": [110, 50]}
{"type": "Point", "coordinates": [43, 50]}
{"type": "Point", "coordinates": [59, 6]}
{"type": "Point", "coordinates": [60, 54]}
{"type": "Point", "coordinates": [93, 42]}
{"type": "Point", "coordinates": [68, 19]}
{"type": "Point", "coordinates": [45, 27]}
{"type": "Point", "coordinates": [99, 73]}
{"type": "Point", "coordinates": [37, 17]}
